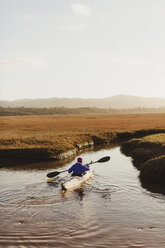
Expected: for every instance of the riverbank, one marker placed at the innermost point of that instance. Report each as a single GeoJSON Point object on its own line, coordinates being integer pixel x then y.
{"type": "Point", "coordinates": [59, 137]}
{"type": "Point", "coordinates": [148, 154]}
{"type": "Point", "coordinates": [40, 150]}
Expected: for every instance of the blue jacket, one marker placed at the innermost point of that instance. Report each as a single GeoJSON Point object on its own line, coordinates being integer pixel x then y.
{"type": "Point", "coordinates": [78, 169]}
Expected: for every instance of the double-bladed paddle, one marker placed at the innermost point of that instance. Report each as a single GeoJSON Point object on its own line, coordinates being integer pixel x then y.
{"type": "Point", "coordinates": [56, 173]}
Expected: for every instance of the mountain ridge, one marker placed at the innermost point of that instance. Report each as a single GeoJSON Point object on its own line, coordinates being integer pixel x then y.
{"type": "Point", "coordinates": [116, 102]}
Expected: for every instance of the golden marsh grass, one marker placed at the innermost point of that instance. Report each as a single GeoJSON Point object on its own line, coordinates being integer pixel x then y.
{"type": "Point", "coordinates": [62, 132]}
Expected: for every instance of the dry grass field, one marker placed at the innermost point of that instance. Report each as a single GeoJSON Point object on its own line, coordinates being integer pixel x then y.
{"type": "Point", "coordinates": [63, 132]}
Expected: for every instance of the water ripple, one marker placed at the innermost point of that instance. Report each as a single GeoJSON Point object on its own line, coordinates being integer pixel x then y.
{"type": "Point", "coordinates": [111, 210]}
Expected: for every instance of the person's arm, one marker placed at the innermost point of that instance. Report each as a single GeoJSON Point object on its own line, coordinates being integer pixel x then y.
{"type": "Point", "coordinates": [87, 167]}
{"type": "Point", "coordinates": [70, 169]}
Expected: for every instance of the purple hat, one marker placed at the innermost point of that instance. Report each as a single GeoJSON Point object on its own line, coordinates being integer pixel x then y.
{"type": "Point", "coordinates": [79, 160]}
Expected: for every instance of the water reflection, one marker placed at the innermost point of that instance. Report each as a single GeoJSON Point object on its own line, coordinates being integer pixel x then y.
{"type": "Point", "coordinates": [12, 164]}
{"type": "Point", "coordinates": [103, 192]}
{"type": "Point", "coordinates": [80, 193]}
{"type": "Point", "coordinates": [55, 183]}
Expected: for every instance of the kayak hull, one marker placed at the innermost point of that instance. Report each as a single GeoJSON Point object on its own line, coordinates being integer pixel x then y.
{"type": "Point", "coordinates": [76, 181]}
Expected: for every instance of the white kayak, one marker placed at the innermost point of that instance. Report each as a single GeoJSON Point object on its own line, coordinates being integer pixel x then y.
{"type": "Point", "coordinates": [76, 181]}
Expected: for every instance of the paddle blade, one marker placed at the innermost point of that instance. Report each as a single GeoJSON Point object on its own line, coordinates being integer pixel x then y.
{"type": "Point", "coordinates": [53, 174]}
{"type": "Point", "coordinates": [104, 159]}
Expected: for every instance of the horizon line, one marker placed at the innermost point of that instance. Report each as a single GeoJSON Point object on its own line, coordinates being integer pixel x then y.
{"type": "Point", "coordinates": [83, 98]}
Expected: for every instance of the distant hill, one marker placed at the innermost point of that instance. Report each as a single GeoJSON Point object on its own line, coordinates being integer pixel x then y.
{"type": "Point", "coordinates": [115, 102]}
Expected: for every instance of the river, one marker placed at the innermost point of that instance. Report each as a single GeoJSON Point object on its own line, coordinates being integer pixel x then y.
{"type": "Point", "coordinates": [110, 210]}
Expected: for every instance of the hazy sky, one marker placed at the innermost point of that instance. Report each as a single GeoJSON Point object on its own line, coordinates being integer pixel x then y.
{"type": "Point", "coordinates": [81, 48]}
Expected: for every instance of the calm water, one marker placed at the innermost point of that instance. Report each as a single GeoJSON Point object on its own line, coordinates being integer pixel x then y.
{"type": "Point", "coordinates": [111, 210]}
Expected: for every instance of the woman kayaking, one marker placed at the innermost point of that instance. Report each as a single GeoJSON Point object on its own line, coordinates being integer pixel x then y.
{"type": "Point", "coordinates": [78, 168]}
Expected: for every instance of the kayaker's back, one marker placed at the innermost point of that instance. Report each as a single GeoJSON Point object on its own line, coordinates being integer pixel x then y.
{"type": "Point", "coordinates": [78, 168]}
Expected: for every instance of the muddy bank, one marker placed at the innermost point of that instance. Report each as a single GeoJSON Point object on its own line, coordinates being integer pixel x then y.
{"type": "Point", "coordinates": [153, 171]}
{"type": "Point", "coordinates": [148, 154]}
{"type": "Point", "coordinates": [43, 153]}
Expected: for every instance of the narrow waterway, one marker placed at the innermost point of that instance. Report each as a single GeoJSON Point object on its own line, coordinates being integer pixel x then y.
{"type": "Point", "coordinates": [110, 210]}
